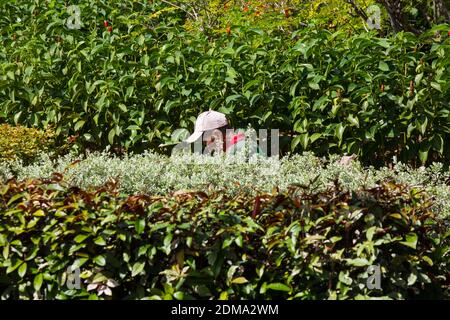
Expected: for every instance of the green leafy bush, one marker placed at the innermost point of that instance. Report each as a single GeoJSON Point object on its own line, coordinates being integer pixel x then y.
{"type": "Point", "coordinates": [296, 244]}
{"type": "Point", "coordinates": [18, 142]}
{"type": "Point", "coordinates": [131, 86]}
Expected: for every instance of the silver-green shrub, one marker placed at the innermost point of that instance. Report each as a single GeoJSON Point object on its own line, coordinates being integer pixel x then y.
{"type": "Point", "coordinates": [157, 174]}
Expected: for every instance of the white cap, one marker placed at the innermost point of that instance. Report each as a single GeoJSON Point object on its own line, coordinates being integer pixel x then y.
{"type": "Point", "coordinates": [208, 120]}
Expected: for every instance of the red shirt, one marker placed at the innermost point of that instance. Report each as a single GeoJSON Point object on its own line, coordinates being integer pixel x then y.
{"type": "Point", "coordinates": [234, 139]}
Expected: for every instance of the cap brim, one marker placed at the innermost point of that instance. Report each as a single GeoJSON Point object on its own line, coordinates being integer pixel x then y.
{"type": "Point", "coordinates": [194, 137]}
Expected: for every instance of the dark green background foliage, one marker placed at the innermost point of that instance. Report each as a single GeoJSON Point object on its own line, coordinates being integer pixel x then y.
{"type": "Point", "coordinates": [132, 87]}
{"type": "Point", "coordinates": [301, 245]}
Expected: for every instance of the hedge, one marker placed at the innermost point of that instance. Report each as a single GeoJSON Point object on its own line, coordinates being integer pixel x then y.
{"type": "Point", "coordinates": [296, 244]}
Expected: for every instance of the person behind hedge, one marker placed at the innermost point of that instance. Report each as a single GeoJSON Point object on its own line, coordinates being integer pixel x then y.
{"type": "Point", "coordinates": [213, 127]}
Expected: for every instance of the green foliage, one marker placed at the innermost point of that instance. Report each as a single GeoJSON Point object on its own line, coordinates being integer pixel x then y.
{"type": "Point", "coordinates": [330, 92]}
{"type": "Point", "coordinates": [18, 142]}
{"type": "Point", "coordinates": [291, 245]}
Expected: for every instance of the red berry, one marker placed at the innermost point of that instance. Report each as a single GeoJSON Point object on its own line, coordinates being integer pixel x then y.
{"type": "Point", "coordinates": [109, 29]}
{"type": "Point", "coordinates": [286, 13]}
{"type": "Point", "coordinates": [105, 23]}
{"type": "Point", "coordinates": [448, 32]}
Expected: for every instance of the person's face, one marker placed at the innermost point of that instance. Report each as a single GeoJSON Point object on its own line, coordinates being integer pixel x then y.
{"type": "Point", "coordinates": [214, 137]}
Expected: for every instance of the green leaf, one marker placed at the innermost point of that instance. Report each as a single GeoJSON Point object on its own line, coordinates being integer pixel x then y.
{"type": "Point", "coordinates": [314, 137]}
{"type": "Point", "coordinates": [22, 269]}
{"type": "Point", "coordinates": [178, 295]}
{"type": "Point", "coordinates": [6, 252]}
{"type": "Point", "coordinates": [314, 85]}
{"type": "Point", "coordinates": [278, 287]}
{"type": "Point", "coordinates": [137, 268]}
{"type": "Point", "coordinates": [80, 238]}
{"type": "Point", "coordinates": [412, 279]}
{"type": "Point", "coordinates": [422, 126]}
{"type": "Point", "coordinates": [111, 135]}
{"type": "Point", "coordinates": [436, 86]}
{"type": "Point", "coordinates": [79, 125]}
{"type": "Point", "coordinates": [239, 280]}
{"type": "Point", "coordinates": [423, 156]}
{"type": "Point", "coordinates": [383, 66]}
{"type": "Point", "coordinates": [233, 97]}
{"type": "Point", "coordinates": [359, 262]}
{"type": "Point", "coordinates": [410, 240]}
{"type": "Point", "coordinates": [427, 260]}
{"type": "Point", "coordinates": [353, 120]}
{"type": "Point", "coordinates": [79, 262]}
{"type": "Point", "coordinates": [370, 232]}
{"type": "Point", "coordinates": [418, 78]}
{"type": "Point", "coordinates": [100, 260]}
{"type": "Point", "coordinates": [14, 198]}
{"type": "Point", "coordinates": [339, 131]}
{"type": "Point", "coordinates": [100, 241]}
{"type": "Point", "coordinates": [139, 225]}
{"type": "Point", "coordinates": [37, 282]}
{"type": "Point", "coordinates": [438, 143]}
{"type": "Point", "coordinates": [410, 129]}
{"type": "Point", "coordinates": [10, 75]}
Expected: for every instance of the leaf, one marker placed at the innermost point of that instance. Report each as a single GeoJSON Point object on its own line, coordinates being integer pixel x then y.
{"type": "Point", "coordinates": [422, 126]}
{"type": "Point", "coordinates": [55, 187]}
{"type": "Point", "coordinates": [358, 262]}
{"type": "Point", "coordinates": [80, 238]}
{"type": "Point", "coordinates": [423, 156]}
{"type": "Point", "coordinates": [100, 241]}
{"type": "Point", "coordinates": [10, 75]}
{"type": "Point", "coordinates": [123, 107]}
{"type": "Point", "coordinates": [14, 198]}
{"type": "Point", "coordinates": [383, 66]}
{"type": "Point", "coordinates": [438, 143]}
{"type": "Point", "coordinates": [412, 279]}
{"type": "Point", "coordinates": [79, 262]}
{"type": "Point", "coordinates": [427, 260]}
{"type": "Point", "coordinates": [314, 85]}
{"type": "Point", "coordinates": [436, 86]}
{"type": "Point", "coordinates": [22, 269]}
{"type": "Point", "coordinates": [111, 135]}
{"type": "Point", "coordinates": [315, 136]}
{"type": "Point", "coordinates": [100, 260]}
{"type": "Point", "coordinates": [370, 232]}
{"type": "Point", "coordinates": [410, 129]}
{"type": "Point", "coordinates": [6, 252]}
{"type": "Point", "coordinates": [79, 125]}
{"type": "Point", "coordinates": [239, 280]}
{"type": "Point", "coordinates": [278, 287]}
{"type": "Point", "coordinates": [137, 268]}
{"type": "Point", "coordinates": [233, 97]}
{"type": "Point", "coordinates": [139, 225]}
{"type": "Point", "coordinates": [418, 78]}
{"type": "Point", "coordinates": [178, 295]}
{"type": "Point", "coordinates": [353, 120]}
{"type": "Point", "coordinates": [339, 133]}
{"type": "Point", "coordinates": [37, 282]}
{"type": "Point", "coordinates": [411, 240]}
{"type": "Point", "coordinates": [396, 215]}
